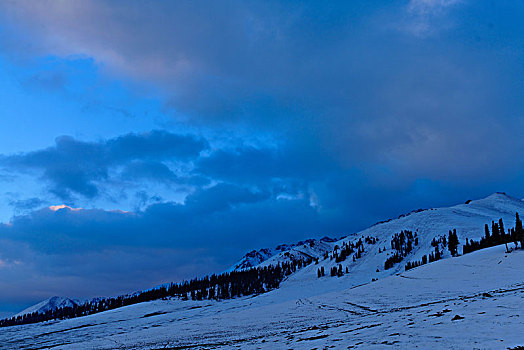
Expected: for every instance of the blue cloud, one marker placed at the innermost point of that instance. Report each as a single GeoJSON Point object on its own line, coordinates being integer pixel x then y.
{"type": "Point", "coordinates": [27, 204]}
{"type": "Point", "coordinates": [76, 167]}
{"type": "Point", "coordinates": [221, 212]}
{"type": "Point", "coordinates": [222, 197]}
{"type": "Point", "coordinates": [256, 165]}
{"type": "Point", "coordinates": [148, 170]}
{"type": "Point", "coordinates": [157, 144]}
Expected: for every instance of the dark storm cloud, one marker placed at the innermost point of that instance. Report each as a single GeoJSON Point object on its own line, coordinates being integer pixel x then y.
{"type": "Point", "coordinates": [75, 167]}
{"type": "Point", "coordinates": [221, 197]}
{"type": "Point", "coordinates": [157, 144]}
{"type": "Point", "coordinates": [208, 216]}
{"type": "Point", "coordinates": [148, 170]}
{"type": "Point", "coordinates": [256, 165]}
{"type": "Point", "coordinates": [411, 86]}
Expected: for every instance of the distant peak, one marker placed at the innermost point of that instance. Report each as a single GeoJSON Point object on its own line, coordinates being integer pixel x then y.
{"type": "Point", "coordinates": [502, 195]}
{"type": "Point", "coordinates": [498, 196]}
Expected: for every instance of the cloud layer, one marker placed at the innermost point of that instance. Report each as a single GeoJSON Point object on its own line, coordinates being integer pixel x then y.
{"type": "Point", "coordinates": [414, 87]}
{"type": "Point", "coordinates": [76, 167]}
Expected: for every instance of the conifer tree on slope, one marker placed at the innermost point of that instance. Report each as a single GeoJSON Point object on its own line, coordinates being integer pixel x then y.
{"type": "Point", "coordinates": [453, 242]}
{"type": "Point", "coordinates": [495, 234]}
{"type": "Point", "coordinates": [502, 232]}
{"type": "Point", "coordinates": [519, 233]}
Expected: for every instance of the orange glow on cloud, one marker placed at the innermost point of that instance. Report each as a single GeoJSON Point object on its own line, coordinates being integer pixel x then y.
{"type": "Point", "coordinates": [63, 206]}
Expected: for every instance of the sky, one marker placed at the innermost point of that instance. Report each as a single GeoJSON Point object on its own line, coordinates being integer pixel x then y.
{"type": "Point", "coordinates": [146, 142]}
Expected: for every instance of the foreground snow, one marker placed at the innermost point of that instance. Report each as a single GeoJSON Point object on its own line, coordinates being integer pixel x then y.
{"type": "Point", "coordinates": [482, 291]}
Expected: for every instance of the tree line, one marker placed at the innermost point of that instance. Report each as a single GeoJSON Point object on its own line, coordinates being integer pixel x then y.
{"type": "Point", "coordinates": [433, 256]}
{"type": "Point", "coordinates": [340, 254]}
{"type": "Point", "coordinates": [402, 243]}
{"type": "Point", "coordinates": [497, 236]}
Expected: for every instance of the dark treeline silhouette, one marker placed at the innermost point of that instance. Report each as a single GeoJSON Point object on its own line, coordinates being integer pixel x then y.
{"type": "Point", "coordinates": [433, 256]}
{"type": "Point", "coordinates": [320, 272]}
{"type": "Point", "coordinates": [216, 287]}
{"type": "Point", "coordinates": [453, 242]}
{"type": "Point", "coordinates": [402, 243]}
{"type": "Point", "coordinates": [340, 254]}
{"type": "Point", "coordinates": [497, 236]}
{"type": "Point", "coordinates": [337, 271]}
{"type": "Point", "coordinates": [436, 241]}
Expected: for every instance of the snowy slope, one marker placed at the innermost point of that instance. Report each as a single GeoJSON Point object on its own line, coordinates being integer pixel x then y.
{"type": "Point", "coordinates": [310, 311]}
{"type": "Point", "coordinates": [473, 301]}
{"type": "Point", "coordinates": [468, 219]}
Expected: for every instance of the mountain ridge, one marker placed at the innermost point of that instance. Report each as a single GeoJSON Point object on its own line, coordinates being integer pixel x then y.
{"type": "Point", "coordinates": [468, 219]}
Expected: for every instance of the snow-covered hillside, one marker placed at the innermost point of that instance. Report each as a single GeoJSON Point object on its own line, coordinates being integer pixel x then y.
{"type": "Point", "coordinates": [367, 306]}
{"type": "Point", "coordinates": [473, 301]}
{"type": "Point", "coordinates": [468, 219]}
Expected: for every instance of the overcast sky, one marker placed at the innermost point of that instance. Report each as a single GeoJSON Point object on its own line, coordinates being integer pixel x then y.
{"type": "Point", "coordinates": [145, 142]}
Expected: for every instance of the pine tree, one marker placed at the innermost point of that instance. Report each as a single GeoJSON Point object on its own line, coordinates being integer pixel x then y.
{"type": "Point", "coordinates": [466, 248]}
{"type": "Point", "coordinates": [451, 248]}
{"type": "Point", "coordinates": [453, 242]}
{"type": "Point", "coordinates": [502, 231]}
{"type": "Point", "coordinates": [495, 236]}
{"type": "Point", "coordinates": [519, 233]}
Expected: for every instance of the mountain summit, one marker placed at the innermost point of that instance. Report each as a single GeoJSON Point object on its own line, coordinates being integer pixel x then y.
{"type": "Point", "coordinates": [52, 303]}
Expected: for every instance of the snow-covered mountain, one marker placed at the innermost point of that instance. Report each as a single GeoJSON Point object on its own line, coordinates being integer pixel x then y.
{"type": "Point", "coordinates": [310, 248]}
{"type": "Point", "coordinates": [472, 301]}
{"type": "Point", "coordinates": [428, 224]}
{"type": "Point", "coordinates": [361, 306]}
{"type": "Point", "coordinates": [52, 303]}
{"type": "Point", "coordinates": [252, 259]}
